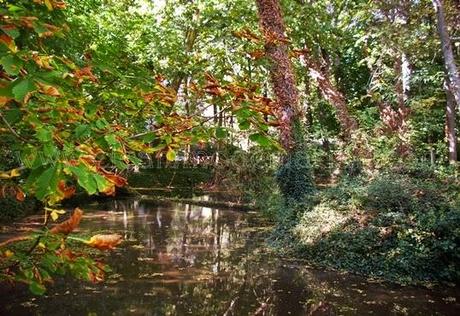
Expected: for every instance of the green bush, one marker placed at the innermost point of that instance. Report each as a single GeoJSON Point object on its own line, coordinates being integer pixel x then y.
{"type": "Point", "coordinates": [389, 194]}
{"type": "Point", "coordinates": [294, 177]}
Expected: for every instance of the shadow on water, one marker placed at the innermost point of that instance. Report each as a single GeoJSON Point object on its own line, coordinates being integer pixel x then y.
{"type": "Point", "coordinates": [180, 259]}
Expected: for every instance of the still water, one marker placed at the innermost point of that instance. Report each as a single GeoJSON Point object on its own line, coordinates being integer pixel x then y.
{"type": "Point", "coordinates": [180, 259]}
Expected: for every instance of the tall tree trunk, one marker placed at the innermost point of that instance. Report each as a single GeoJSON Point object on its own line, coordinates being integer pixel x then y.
{"type": "Point", "coordinates": [282, 75]}
{"type": "Point", "coordinates": [294, 176]}
{"type": "Point", "coordinates": [446, 44]}
{"type": "Point", "coordinates": [450, 125]}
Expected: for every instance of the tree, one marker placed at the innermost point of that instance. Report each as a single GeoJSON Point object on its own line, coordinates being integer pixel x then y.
{"type": "Point", "coordinates": [452, 81]}
{"type": "Point", "coordinates": [294, 176]}
{"type": "Point", "coordinates": [282, 75]}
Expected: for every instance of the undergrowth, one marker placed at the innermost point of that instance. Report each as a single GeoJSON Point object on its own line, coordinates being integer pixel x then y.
{"type": "Point", "coordinates": [402, 225]}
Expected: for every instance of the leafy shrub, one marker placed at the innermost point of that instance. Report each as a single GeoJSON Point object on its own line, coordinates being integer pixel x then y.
{"type": "Point", "coordinates": [388, 194]}
{"type": "Point", "coordinates": [294, 177]}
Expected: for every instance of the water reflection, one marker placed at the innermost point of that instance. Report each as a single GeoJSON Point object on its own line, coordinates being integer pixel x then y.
{"type": "Point", "coordinates": [189, 260]}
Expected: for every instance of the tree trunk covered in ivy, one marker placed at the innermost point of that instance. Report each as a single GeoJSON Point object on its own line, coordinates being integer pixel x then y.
{"type": "Point", "coordinates": [294, 176]}
{"type": "Point", "coordinates": [282, 75]}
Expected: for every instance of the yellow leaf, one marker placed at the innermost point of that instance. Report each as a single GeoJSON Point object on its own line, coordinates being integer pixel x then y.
{"type": "Point", "coordinates": [9, 253]}
{"type": "Point", "coordinates": [49, 5]}
{"type": "Point", "coordinates": [15, 173]}
{"type": "Point", "coordinates": [54, 213]}
{"type": "Point", "coordinates": [10, 174]}
{"type": "Point", "coordinates": [171, 155]}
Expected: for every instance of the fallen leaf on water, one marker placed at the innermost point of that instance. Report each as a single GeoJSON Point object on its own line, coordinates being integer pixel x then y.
{"type": "Point", "coordinates": [105, 242]}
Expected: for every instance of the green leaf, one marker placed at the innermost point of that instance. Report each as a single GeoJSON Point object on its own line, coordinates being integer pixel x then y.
{"type": "Point", "coordinates": [101, 182]}
{"type": "Point", "coordinates": [244, 125]}
{"type": "Point", "coordinates": [101, 123]}
{"type": "Point", "coordinates": [46, 183]}
{"type": "Point", "coordinates": [11, 64]}
{"type": "Point", "coordinates": [91, 109]}
{"type": "Point", "coordinates": [37, 288]}
{"type": "Point", "coordinates": [11, 31]}
{"type": "Point", "coordinates": [22, 88]}
{"type": "Point", "coordinates": [14, 8]}
{"type": "Point", "coordinates": [262, 140]}
{"type": "Point", "coordinates": [171, 155]}
{"type": "Point", "coordinates": [39, 27]}
{"type": "Point", "coordinates": [7, 91]}
{"type": "Point", "coordinates": [111, 139]}
{"type": "Point", "coordinates": [85, 178]}
{"type": "Point", "coordinates": [82, 131]}
{"type": "Point", "coordinates": [221, 132]}
{"type": "Point", "coordinates": [149, 137]}
{"type": "Point", "coordinates": [13, 116]}
{"type": "Point", "coordinates": [44, 134]}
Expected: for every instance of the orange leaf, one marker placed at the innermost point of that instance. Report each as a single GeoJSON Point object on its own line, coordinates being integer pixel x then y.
{"type": "Point", "coordinates": [69, 225]}
{"type": "Point", "coordinates": [4, 100]}
{"type": "Point", "coordinates": [28, 21]}
{"type": "Point", "coordinates": [109, 190]}
{"type": "Point", "coordinates": [257, 54]}
{"type": "Point", "coordinates": [48, 90]}
{"type": "Point", "coordinates": [119, 181]}
{"type": "Point", "coordinates": [65, 190]}
{"type": "Point", "coordinates": [42, 61]}
{"type": "Point", "coordinates": [20, 196]}
{"type": "Point", "coordinates": [105, 242]}
{"type": "Point", "coordinates": [9, 42]}
{"type": "Point", "coordinates": [85, 73]}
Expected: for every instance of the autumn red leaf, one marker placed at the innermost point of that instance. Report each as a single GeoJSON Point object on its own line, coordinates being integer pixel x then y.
{"type": "Point", "coordinates": [212, 86]}
{"type": "Point", "coordinates": [85, 73]}
{"type": "Point", "coordinates": [69, 225]}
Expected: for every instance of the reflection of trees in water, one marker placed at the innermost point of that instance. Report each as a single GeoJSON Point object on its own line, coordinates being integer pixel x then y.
{"type": "Point", "coordinates": [204, 261]}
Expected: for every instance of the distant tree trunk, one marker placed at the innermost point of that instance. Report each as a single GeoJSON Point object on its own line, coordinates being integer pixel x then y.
{"type": "Point", "coordinates": [402, 70]}
{"type": "Point", "coordinates": [332, 94]}
{"type": "Point", "coordinates": [450, 125]}
{"type": "Point", "coordinates": [406, 74]}
{"type": "Point", "coordinates": [282, 75]}
{"type": "Point", "coordinates": [449, 61]}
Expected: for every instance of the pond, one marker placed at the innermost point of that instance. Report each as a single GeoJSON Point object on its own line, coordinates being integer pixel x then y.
{"type": "Point", "coordinates": [181, 259]}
